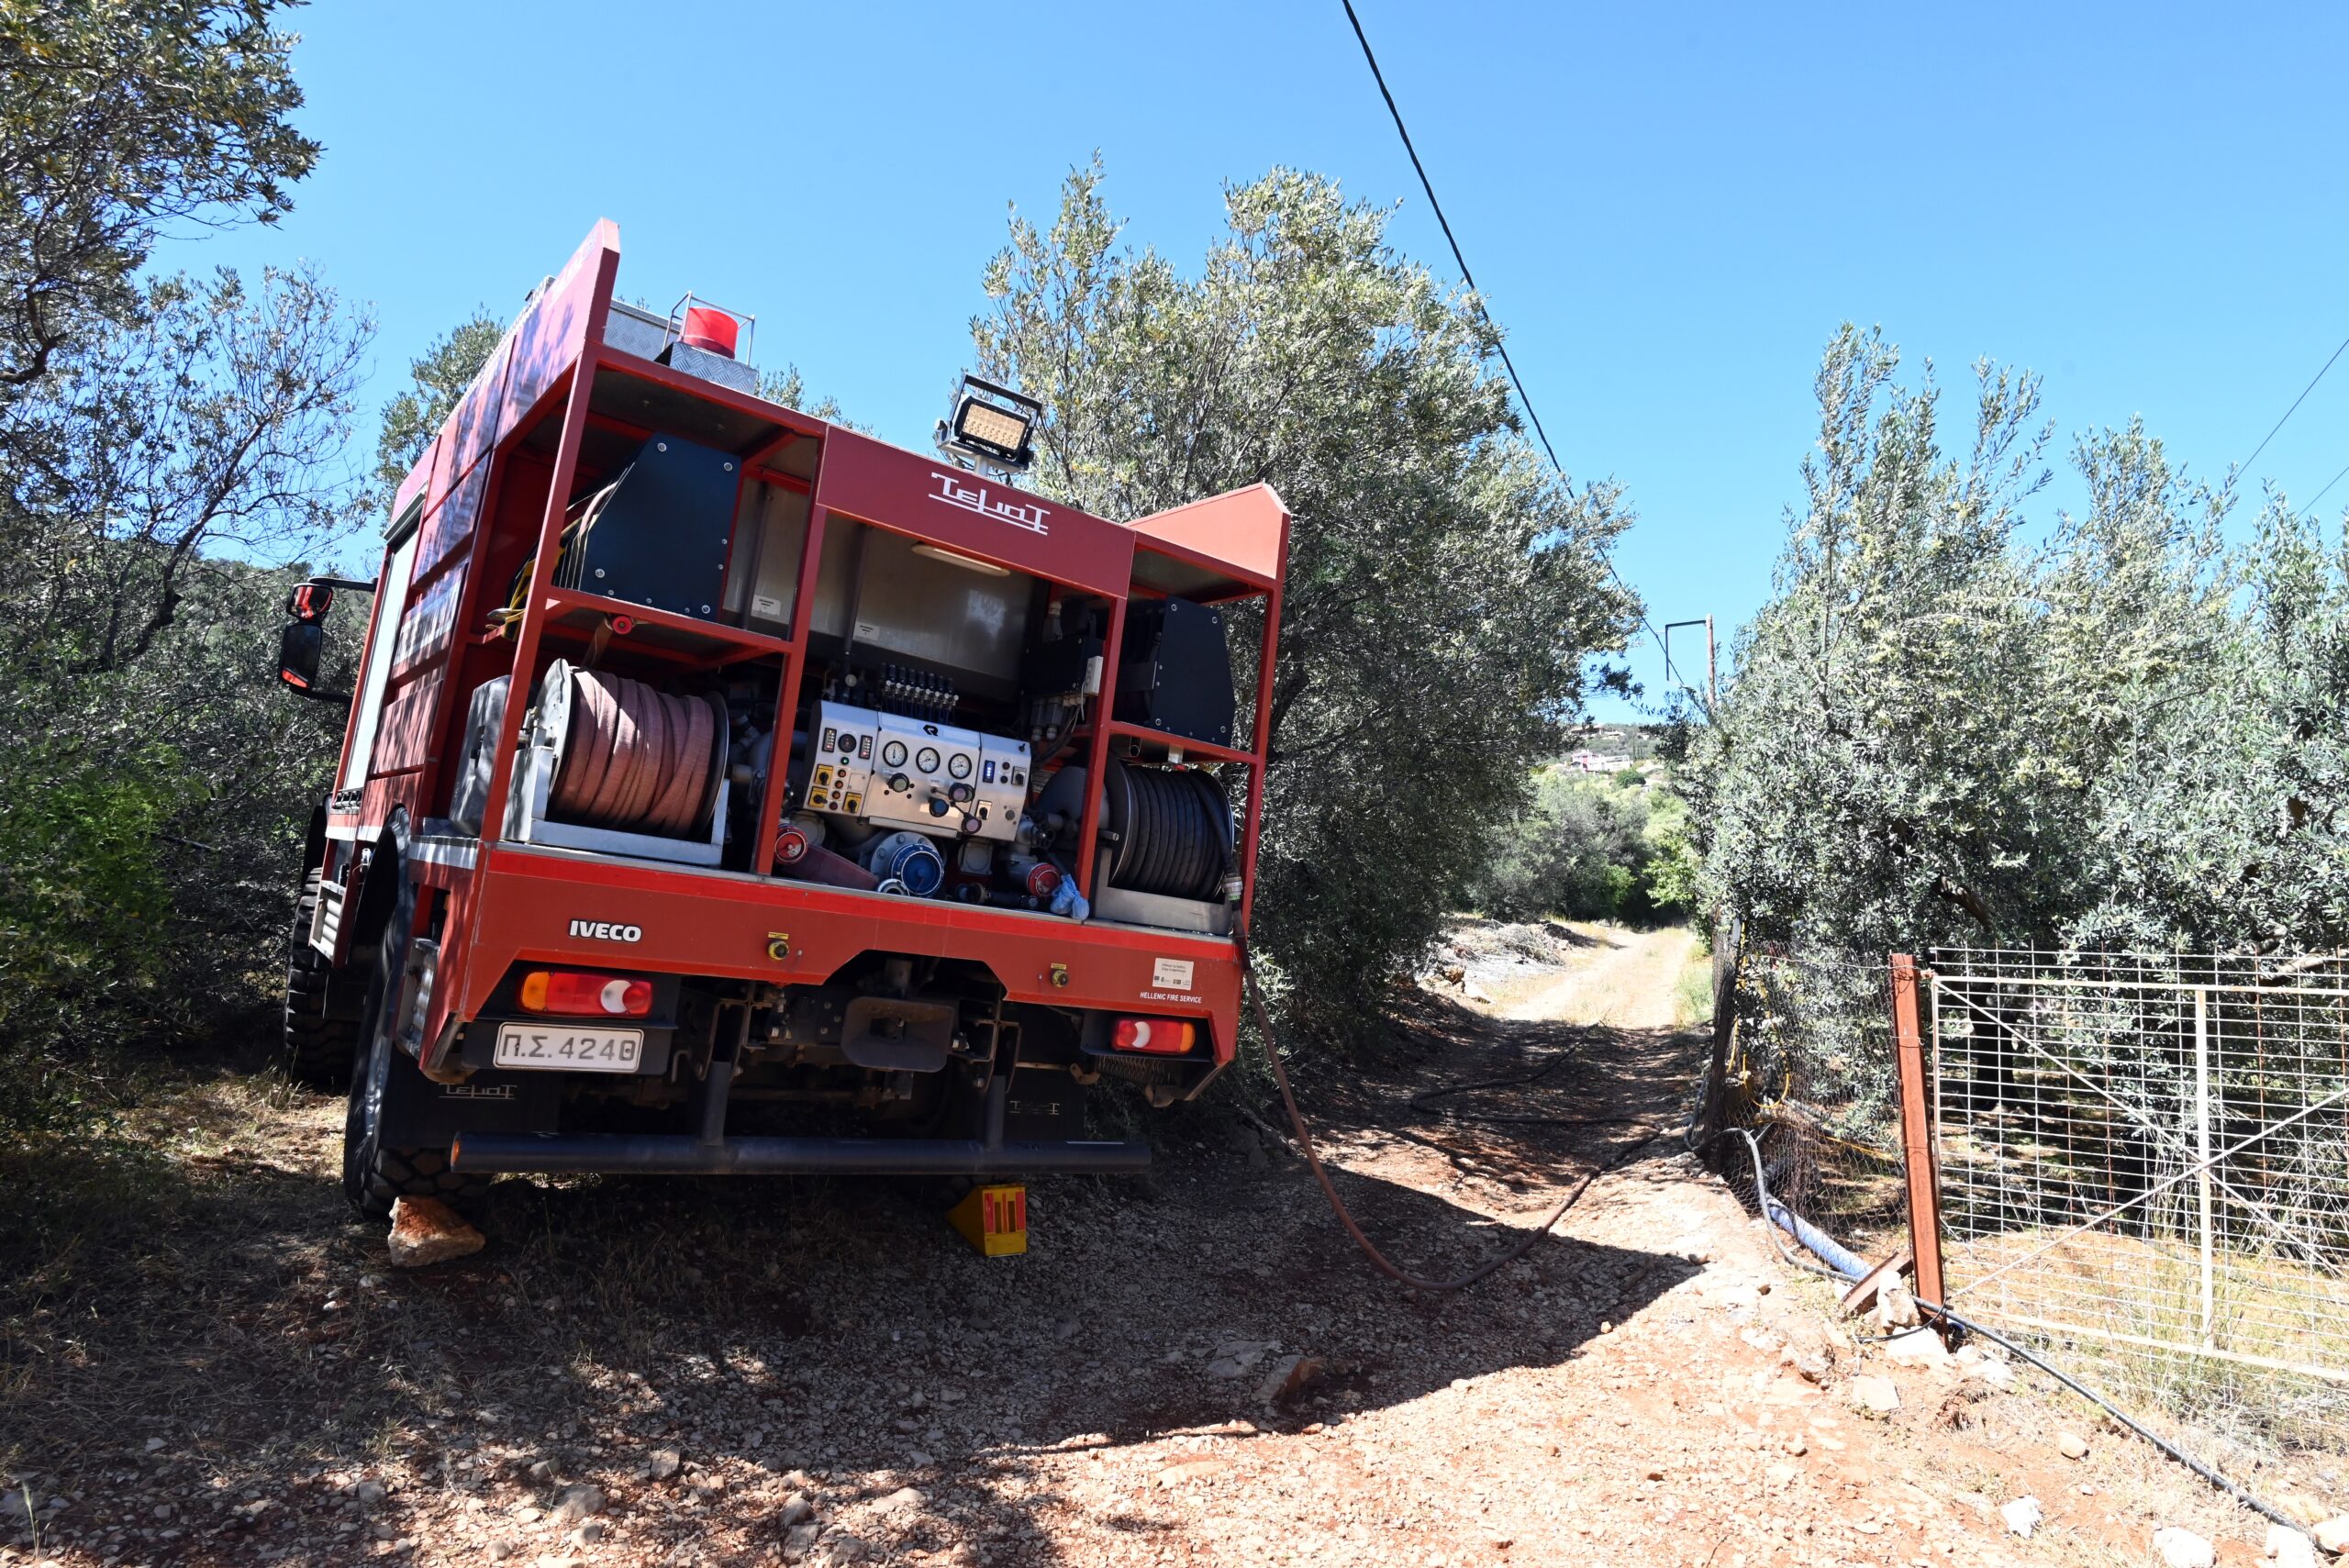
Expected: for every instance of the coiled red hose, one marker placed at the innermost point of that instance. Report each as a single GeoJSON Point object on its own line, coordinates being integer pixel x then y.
{"type": "Point", "coordinates": [637, 760]}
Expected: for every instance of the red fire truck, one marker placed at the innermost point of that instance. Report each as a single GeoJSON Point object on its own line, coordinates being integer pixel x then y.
{"type": "Point", "coordinates": [727, 790]}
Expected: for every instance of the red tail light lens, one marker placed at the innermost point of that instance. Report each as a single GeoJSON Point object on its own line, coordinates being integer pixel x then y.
{"type": "Point", "coordinates": [1161, 1037]}
{"type": "Point", "coordinates": [585, 995]}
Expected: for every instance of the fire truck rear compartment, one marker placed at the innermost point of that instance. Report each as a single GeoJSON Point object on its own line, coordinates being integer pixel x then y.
{"type": "Point", "coordinates": [905, 784]}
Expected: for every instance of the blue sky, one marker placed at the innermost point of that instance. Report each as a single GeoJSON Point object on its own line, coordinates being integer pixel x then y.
{"type": "Point", "coordinates": [1670, 207]}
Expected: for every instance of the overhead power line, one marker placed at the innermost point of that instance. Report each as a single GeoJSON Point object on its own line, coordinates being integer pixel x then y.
{"type": "Point", "coordinates": [1445, 224]}
{"type": "Point", "coordinates": [2303, 398]}
{"type": "Point", "coordinates": [1524, 398]}
{"type": "Point", "coordinates": [2327, 490]}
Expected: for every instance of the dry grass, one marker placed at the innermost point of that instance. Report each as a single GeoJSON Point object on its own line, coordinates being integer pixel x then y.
{"type": "Point", "coordinates": [2134, 1304]}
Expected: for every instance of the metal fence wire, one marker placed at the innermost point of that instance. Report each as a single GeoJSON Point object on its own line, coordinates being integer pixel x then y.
{"type": "Point", "coordinates": [1810, 1070]}
{"type": "Point", "coordinates": [2146, 1156]}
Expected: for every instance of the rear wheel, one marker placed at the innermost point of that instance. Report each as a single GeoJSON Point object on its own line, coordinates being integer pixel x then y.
{"type": "Point", "coordinates": [317, 1047]}
{"type": "Point", "coordinates": [375, 1174]}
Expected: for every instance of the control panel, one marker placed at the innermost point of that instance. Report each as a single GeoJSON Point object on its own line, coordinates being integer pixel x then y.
{"type": "Point", "coordinates": [939, 779]}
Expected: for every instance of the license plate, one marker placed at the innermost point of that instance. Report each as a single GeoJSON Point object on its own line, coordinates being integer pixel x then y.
{"type": "Point", "coordinates": [568, 1049]}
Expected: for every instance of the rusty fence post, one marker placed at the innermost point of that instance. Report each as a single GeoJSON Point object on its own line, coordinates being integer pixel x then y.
{"type": "Point", "coordinates": [1916, 1132]}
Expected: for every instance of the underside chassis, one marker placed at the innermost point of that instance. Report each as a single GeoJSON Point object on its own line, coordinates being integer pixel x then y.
{"type": "Point", "coordinates": [900, 1065]}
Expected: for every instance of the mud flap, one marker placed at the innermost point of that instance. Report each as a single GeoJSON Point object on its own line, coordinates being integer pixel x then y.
{"type": "Point", "coordinates": [421, 1114]}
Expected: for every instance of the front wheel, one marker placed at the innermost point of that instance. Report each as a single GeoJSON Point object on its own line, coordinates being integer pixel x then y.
{"type": "Point", "coordinates": [375, 1173]}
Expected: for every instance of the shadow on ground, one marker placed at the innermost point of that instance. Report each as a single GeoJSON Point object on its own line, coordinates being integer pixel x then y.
{"type": "Point", "coordinates": [225, 1307]}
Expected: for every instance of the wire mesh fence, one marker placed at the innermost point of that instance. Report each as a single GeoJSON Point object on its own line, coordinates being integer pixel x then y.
{"type": "Point", "coordinates": [1809, 1069]}
{"type": "Point", "coordinates": [2145, 1157]}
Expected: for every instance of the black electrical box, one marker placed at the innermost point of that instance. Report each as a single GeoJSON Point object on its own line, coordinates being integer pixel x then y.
{"type": "Point", "coordinates": [658, 534]}
{"type": "Point", "coordinates": [1174, 671]}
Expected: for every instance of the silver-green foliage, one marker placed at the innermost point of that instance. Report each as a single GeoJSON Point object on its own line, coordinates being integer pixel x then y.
{"type": "Point", "coordinates": [1591, 847]}
{"type": "Point", "coordinates": [167, 444]}
{"type": "Point", "coordinates": [1444, 589]}
{"type": "Point", "coordinates": [1949, 726]}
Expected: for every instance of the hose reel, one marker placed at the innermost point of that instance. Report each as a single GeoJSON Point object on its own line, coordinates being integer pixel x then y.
{"type": "Point", "coordinates": [613, 764]}
{"type": "Point", "coordinates": [631, 758]}
{"type": "Point", "coordinates": [1165, 832]}
{"type": "Point", "coordinates": [1172, 831]}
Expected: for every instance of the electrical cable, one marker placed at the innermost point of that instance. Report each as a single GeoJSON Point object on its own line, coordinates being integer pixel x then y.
{"type": "Point", "coordinates": [1469, 278]}
{"type": "Point", "coordinates": [2327, 490]}
{"type": "Point", "coordinates": [2295, 408]}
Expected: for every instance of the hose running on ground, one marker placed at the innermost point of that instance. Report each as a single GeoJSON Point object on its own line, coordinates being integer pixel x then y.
{"type": "Point", "coordinates": [1556, 1060]}
{"type": "Point", "coordinates": [1338, 1206]}
{"type": "Point", "coordinates": [1781, 1219]}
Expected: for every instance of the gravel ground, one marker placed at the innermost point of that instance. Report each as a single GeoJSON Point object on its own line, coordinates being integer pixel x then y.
{"type": "Point", "coordinates": [205, 1363]}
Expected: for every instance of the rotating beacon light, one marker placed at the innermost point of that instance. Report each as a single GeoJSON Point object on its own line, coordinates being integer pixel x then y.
{"type": "Point", "coordinates": [991, 426]}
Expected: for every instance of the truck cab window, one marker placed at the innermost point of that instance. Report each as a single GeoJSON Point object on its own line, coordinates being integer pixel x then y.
{"type": "Point", "coordinates": [391, 604]}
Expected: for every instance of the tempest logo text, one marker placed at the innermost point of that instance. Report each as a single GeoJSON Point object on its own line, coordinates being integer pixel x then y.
{"type": "Point", "coordinates": [605, 931]}
{"type": "Point", "coordinates": [954, 492]}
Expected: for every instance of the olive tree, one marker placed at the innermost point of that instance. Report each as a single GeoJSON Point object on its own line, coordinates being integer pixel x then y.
{"type": "Point", "coordinates": [120, 121]}
{"type": "Point", "coordinates": [1947, 727]}
{"type": "Point", "coordinates": [171, 476]}
{"type": "Point", "coordinates": [1445, 592]}
{"type": "Point", "coordinates": [170, 449]}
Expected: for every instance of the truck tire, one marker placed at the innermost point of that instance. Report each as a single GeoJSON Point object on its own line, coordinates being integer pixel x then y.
{"type": "Point", "coordinates": [374, 1174]}
{"type": "Point", "coordinates": [318, 1047]}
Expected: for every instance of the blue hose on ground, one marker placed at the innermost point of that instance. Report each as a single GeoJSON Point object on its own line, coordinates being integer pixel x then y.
{"type": "Point", "coordinates": [1841, 1259]}
{"type": "Point", "coordinates": [1844, 1262]}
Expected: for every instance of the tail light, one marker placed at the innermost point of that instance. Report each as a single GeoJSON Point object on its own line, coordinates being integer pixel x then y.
{"type": "Point", "coordinates": [1161, 1037]}
{"type": "Point", "coordinates": [586, 996]}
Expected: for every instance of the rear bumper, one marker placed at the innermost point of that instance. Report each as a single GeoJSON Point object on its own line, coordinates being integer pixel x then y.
{"type": "Point", "coordinates": [530, 904]}
{"type": "Point", "coordinates": [548, 1153]}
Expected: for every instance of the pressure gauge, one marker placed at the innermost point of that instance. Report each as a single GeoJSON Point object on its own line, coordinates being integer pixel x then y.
{"type": "Point", "coordinates": [892, 755]}
{"type": "Point", "coordinates": [959, 765]}
{"type": "Point", "coordinates": [926, 760]}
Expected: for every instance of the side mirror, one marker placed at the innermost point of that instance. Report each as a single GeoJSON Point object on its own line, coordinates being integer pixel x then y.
{"type": "Point", "coordinates": [299, 649]}
{"type": "Point", "coordinates": [303, 644]}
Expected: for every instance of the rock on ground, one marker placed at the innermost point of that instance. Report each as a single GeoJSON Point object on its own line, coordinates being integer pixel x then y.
{"type": "Point", "coordinates": [2182, 1548]}
{"type": "Point", "coordinates": [2289, 1547]}
{"type": "Point", "coordinates": [427, 1232]}
{"type": "Point", "coordinates": [1917, 1347]}
{"type": "Point", "coordinates": [1880, 1394]}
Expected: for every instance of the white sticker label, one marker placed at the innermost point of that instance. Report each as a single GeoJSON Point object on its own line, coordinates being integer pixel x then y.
{"type": "Point", "coordinates": [1171, 974]}
{"type": "Point", "coordinates": [766, 605]}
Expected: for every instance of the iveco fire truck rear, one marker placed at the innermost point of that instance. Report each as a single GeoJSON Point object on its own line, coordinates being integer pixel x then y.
{"type": "Point", "coordinates": [727, 790]}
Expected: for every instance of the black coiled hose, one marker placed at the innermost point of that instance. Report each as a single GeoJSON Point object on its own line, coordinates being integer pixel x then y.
{"type": "Point", "coordinates": [1177, 836]}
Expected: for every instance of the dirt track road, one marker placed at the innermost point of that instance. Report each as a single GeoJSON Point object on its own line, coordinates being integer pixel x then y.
{"type": "Point", "coordinates": [1198, 1372]}
{"type": "Point", "coordinates": [1627, 980]}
